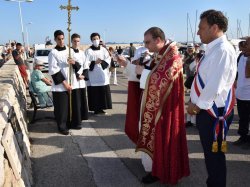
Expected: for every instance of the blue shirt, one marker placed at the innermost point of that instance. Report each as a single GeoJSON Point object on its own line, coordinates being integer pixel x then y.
{"type": "Point", "coordinates": [37, 84]}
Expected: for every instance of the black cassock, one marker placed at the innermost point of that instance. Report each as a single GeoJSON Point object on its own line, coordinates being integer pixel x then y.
{"type": "Point", "coordinates": [99, 95]}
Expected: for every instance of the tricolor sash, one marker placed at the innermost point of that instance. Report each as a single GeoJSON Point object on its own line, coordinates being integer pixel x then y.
{"type": "Point", "coordinates": [229, 105]}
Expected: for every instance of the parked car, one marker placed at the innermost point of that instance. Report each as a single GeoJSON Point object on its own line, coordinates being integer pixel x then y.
{"type": "Point", "coordinates": [42, 55]}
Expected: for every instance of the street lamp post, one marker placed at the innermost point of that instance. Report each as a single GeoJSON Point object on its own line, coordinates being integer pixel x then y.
{"type": "Point", "coordinates": [20, 14]}
{"type": "Point", "coordinates": [27, 34]}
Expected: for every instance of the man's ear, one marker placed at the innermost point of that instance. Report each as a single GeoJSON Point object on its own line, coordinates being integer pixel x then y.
{"type": "Point", "coordinates": [214, 28]}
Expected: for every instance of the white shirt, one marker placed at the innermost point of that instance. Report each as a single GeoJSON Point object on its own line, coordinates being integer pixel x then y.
{"type": "Point", "coordinates": [130, 68]}
{"type": "Point", "coordinates": [243, 83]}
{"type": "Point", "coordinates": [99, 76]}
{"type": "Point", "coordinates": [218, 71]}
{"type": "Point", "coordinates": [81, 58]}
{"type": "Point", "coordinates": [58, 62]}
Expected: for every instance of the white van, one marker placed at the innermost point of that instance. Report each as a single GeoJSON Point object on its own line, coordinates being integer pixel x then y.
{"type": "Point", "coordinates": [42, 55]}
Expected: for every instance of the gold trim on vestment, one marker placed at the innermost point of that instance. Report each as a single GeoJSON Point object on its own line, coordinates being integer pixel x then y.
{"type": "Point", "coordinates": [151, 100]}
{"type": "Point", "coordinates": [158, 115]}
{"type": "Point", "coordinates": [152, 71]}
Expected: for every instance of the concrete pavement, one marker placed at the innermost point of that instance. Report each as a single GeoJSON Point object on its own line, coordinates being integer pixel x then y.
{"type": "Point", "coordinates": [100, 154]}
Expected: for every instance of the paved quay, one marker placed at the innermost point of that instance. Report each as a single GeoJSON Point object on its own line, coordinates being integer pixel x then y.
{"type": "Point", "coordinates": [100, 154]}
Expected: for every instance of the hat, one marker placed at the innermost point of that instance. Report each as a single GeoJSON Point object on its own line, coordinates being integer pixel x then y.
{"type": "Point", "coordinates": [38, 62]}
{"type": "Point", "coordinates": [190, 45]}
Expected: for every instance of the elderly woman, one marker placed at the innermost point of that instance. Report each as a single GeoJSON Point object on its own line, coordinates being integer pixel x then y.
{"type": "Point", "coordinates": [40, 85]}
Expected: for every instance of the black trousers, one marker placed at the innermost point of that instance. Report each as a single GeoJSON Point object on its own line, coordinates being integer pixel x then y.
{"type": "Point", "coordinates": [84, 104]}
{"type": "Point", "coordinates": [76, 109]}
{"type": "Point", "coordinates": [61, 105]}
{"type": "Point", "coordinates": [215, 162]}
{"type": "Point", "coordinates": [244, 117]}
{"type": "Point", "coordinates": [62, 112]}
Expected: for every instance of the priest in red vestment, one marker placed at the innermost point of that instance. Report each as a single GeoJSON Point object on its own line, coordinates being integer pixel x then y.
{"type": "Point", "coordinates": [162, 129]}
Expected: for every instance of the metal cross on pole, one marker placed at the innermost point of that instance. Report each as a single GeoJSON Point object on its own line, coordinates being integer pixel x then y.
{"type": "Point", "coordinates": [69, 8]}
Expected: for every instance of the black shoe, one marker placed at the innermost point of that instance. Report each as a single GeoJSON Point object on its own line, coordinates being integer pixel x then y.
{"type": "Point", "coordinates": [100, 112]}
{"type": "Point", "coordinates": [97, 112]}
{"type": "Point", "coordinates": [77, 127]}
{"type": "Point", "coordinates": [149, 179]}
{"type": "Point", "coordinates": [240, 141]}
{"type": "Point", "coordinates": [103, 112]}
{"type": "Point", "coordinates": [189, 124]}
{"type": "Point", "coordinates": [64, 132]}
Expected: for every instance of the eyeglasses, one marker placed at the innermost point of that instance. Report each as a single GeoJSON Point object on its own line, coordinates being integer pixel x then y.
{"type": "Point", "coordinates": [146, 42]}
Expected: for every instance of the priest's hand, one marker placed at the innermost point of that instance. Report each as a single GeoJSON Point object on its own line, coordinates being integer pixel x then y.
{"type": "Point", "coordinates": [192, 109]}
{"type": "Point", "coordinates": [121, 60]}
{"type": "Point", "coordinates": [139, 69]}
{"type": "Point", "coordinates": [71, 61]}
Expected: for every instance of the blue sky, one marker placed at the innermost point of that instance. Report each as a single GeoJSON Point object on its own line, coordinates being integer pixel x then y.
{"type": "Point", "coordinates": [116, 21]}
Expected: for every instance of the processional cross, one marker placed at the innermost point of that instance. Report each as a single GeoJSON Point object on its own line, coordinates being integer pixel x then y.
{"type": "Point", "coordinates": [69, 8]}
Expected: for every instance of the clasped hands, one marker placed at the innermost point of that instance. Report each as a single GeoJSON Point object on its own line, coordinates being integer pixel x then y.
{"type": "Point", "coordinates": [98, 61]}
{"type": "Point", "coordinates": [80, 77]}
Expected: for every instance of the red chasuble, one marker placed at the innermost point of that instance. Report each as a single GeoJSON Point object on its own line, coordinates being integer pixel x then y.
{"type": "Point", "coordinates": [133, 111]}
{"type": "Point", "coordinates": [163, 134]}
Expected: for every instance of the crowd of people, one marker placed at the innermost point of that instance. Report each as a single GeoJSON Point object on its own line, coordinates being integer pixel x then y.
{"type": "Point", "coordinates": [155, 117]}
{"type": "Point", "coordinates": [210, 71]}
{"type": "Point", "coordinates": [6, 53]}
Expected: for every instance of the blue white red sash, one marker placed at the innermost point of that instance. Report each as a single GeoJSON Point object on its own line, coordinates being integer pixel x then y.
{"type": "Point", "coordinates": [229, 105]}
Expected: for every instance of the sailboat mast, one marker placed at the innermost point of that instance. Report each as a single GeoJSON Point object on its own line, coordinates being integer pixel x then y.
{"type": "Point", "coordinates": [187, 28]}
{"type": "Point", "coordinates": [195, 27]}
{"type": "Point", "coordinates": [237, 28]}
{"type": "Point", "coordinates": [249, 25]}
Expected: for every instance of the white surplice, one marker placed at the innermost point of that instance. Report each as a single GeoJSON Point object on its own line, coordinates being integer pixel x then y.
{"type": "Point", "coordinates": [82, 60]}
{"type": "Point", "coordinates": [98, 76]}
{"type": "Point", "coordinates": [58, 62]}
